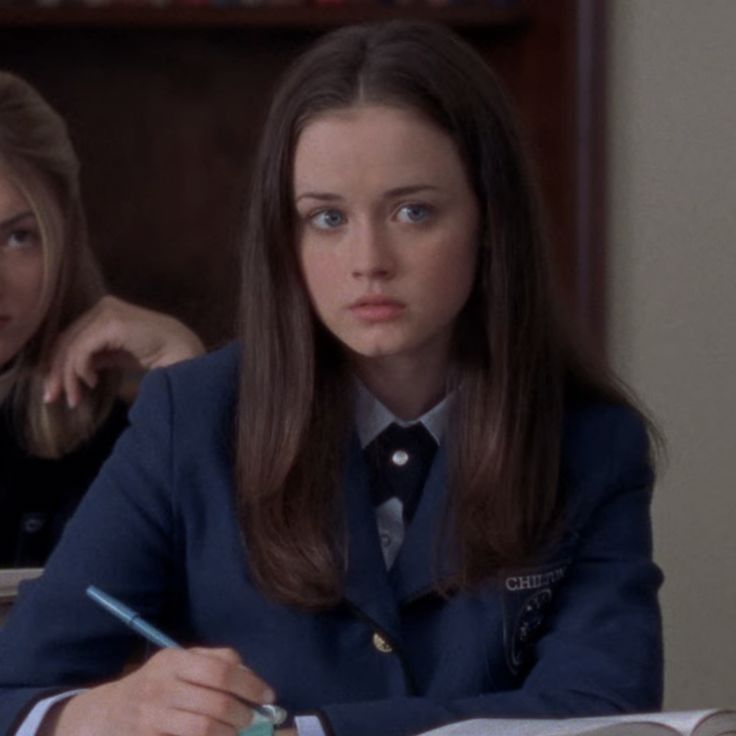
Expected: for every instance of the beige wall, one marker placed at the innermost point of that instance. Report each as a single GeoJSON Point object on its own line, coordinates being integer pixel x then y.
{"type": "Point", "coordinates": [672, 240]}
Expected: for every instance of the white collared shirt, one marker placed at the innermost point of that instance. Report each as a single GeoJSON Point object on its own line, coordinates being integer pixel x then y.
{"type": "Point", "coordinates": [371, 418]}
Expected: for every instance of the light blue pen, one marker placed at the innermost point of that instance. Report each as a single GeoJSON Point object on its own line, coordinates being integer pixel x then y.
{"type": "Point", "coordinates": [265, 716]}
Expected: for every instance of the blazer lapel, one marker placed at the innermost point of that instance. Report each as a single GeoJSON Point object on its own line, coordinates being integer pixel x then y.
{"type": "Point", "coordinates": [367, 585]}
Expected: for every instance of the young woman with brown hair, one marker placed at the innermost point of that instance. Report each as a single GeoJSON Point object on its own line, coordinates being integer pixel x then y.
{"type": "Point", "coordinates": [404, 498]}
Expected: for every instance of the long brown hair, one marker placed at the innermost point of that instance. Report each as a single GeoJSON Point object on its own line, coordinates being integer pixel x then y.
{"type": "Point", "coordinates": [37, 154]}
{"type": "Point", "coordinates": [512, 361]}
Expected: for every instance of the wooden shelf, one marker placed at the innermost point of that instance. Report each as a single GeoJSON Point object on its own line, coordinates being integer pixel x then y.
{"type": "Point", "coordinates": [285, 17]}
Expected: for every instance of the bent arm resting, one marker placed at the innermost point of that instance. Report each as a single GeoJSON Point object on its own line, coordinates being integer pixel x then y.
{"type": "Point", "coordinates": [114, 333]}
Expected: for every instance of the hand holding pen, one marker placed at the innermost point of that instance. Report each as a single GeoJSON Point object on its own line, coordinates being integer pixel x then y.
{"type": "Point", "coordinates": [178, 691]}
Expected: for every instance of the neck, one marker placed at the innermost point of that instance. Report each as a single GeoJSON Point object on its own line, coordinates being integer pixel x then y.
{"type": "Point", "coordinates": [405, 389]}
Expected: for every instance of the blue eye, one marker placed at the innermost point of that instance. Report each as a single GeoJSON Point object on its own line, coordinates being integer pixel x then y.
{"type": "Point", "coordinates": [22, 238]}
{"type": "Point", "coordinates": [327, 219]}
{"type": "Point", "coordinates": [414, 213]}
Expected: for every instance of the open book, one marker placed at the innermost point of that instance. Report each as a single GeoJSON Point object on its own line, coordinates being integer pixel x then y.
{"type": "Point", "coordinates": [675, 723]}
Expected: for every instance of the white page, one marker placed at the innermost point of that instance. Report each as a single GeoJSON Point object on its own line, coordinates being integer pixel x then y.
{"type": "Point", "coordinates": [646, 724]}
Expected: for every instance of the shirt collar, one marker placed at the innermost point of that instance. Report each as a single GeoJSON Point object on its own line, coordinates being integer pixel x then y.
{"type": "Point", "coordinates": [372, 417]}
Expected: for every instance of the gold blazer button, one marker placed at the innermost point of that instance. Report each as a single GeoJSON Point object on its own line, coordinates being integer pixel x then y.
{"type": "Point", "coordinates": [381, 644]}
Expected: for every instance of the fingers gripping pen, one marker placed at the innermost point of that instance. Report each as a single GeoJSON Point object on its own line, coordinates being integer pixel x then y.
{"type": "Point", "coordinates": [265, 717]}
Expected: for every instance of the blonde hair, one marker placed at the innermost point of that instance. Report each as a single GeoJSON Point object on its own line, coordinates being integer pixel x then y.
{"type": "Point", "coordinates": [37, 155]}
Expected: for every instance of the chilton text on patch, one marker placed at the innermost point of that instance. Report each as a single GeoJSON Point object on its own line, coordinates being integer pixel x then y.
{"type": "Point", "coordinates": [538, 580]}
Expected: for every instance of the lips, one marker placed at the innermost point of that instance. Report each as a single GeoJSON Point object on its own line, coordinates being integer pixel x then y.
{"type": "Point", "coordinates": [377, 308]}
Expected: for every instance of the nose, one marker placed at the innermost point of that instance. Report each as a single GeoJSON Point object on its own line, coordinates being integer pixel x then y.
{"type": "Point", "coordinates": [373, 256]}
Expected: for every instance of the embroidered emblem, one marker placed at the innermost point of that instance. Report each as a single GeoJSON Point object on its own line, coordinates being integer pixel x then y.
{"type": "Point", "coordinates": [527, 599]}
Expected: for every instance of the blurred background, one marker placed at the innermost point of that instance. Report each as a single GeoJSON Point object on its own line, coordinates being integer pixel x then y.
{"type": "Point", "coordinates": [672, 306]}
{"type": "Point", "coordinates": [629, 107]}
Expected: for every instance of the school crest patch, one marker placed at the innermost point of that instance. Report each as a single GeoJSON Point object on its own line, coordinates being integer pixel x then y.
{"type": "Point", "coordinates": [527, 600]}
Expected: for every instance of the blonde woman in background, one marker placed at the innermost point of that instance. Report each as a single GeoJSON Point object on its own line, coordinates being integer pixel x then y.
{"type": "Point", "coordinates": [59, 333]}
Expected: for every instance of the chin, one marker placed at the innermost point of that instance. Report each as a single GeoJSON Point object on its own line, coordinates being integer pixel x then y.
{"type": "Point", "coordinates": [363, 350]}
{"type": "Point", "coordinates": [382, 343]}
{"type": "Point", "coordinates": [380, 351]}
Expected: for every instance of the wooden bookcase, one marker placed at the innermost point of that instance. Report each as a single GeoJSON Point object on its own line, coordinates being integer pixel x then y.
{"type": "Point", "coordinates": [165, 106]}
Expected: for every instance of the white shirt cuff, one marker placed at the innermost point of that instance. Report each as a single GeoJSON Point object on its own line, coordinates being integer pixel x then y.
{"type": "Point", "coordinates": [305, 726]}
{"type": "Point", "coordinates": [33, 720]}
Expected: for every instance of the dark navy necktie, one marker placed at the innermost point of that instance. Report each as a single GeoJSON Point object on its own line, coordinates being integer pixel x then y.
{"type": "Point", "coordinates": [398, 462]}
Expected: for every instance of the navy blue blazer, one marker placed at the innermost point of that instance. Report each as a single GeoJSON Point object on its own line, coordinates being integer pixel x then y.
{"type": "Point", "coordinates": [576, 635]}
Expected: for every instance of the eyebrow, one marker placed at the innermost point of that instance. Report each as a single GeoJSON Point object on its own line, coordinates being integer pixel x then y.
{"type": "Point", "coordinates": [15, 219]}
{"type": "Point", "coordinates": [390, 194]}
